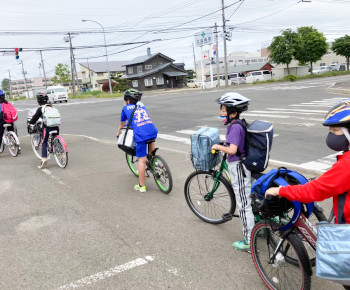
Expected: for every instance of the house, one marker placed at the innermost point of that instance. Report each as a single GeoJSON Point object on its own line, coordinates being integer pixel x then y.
{"type": "Point", "coordinates": [155, 71]}
{"type": "Point", "coordinates": [94, 74]}
{"type": "Point", "coordinates": [242, 68]}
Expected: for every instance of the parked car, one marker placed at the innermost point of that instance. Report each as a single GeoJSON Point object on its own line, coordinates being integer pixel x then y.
{"type": "Point", "coordinates": [207, 82]}
{"type": "Point", "coordinates": [257, 76]}
{"type": "Point", "coordinates": [194, 83]}
{"type": "Point", "coordinates": [342, 66]}
{"type": "Point", "coordinates": [334, 66]}
{"type": "Point", "coordinates": [321, 69]}
{"type": "Point", "coordinates": [57, 94]}
{"type": "Point", "coordinates": [237, 78]}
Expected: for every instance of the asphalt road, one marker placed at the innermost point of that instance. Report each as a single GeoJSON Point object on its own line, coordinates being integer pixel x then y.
{"type": "Point", "coordinates": [85, 226]}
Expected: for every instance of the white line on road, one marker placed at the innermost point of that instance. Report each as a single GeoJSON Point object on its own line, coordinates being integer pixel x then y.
{"type": "Point", "coordinates": [108, 273]}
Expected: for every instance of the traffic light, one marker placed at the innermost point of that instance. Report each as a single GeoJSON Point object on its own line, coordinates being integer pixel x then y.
{"type": "Point", "coordinates": [17, 50]}
{"type": "Point", "coordinates": [228, 35]}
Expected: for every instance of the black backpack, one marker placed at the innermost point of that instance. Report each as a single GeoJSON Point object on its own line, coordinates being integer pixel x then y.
{"type": "Point", "coordinates": [258, 142]}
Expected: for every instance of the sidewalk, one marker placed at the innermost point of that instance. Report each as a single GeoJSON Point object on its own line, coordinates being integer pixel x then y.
{"type": "Point", "coordinates": [341, 87]}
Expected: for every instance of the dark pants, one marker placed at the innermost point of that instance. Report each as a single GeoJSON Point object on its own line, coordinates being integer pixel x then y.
{"type": "Point", "coordinates": [46, 135]}
{"type": "Point", "coordinates": [2, 130]}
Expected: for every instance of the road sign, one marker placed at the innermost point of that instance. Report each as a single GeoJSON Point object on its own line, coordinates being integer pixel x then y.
{"type": "Point", "coordinates": [204, 37]}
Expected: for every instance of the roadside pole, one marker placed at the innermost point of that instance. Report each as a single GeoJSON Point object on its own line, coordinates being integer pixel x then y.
{"type": "Point", "coordinates": [194, 60]}
{"type": "Point", "coordinates": [42, 63]}
{"type": "Point", "coordinates": [217, 54]}
{"type": "Point", "coordinates": [25, 79]}
{"type": "Point", "coordinates": [202, 68]}
{"type": "Point", "coordinates": [224, 38]}
{"type": "Point", "coordinates": [10, 84]}
{"type": "Point", "coordinates": [71, 61]}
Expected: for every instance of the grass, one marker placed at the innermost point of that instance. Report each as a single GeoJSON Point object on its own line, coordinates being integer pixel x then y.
{"type": "Point", "coordinates": [17, 99]}
{"type": "Point", "coordinates": [294, 78]}
{"type": "Point", "coordinates": [94, 94]}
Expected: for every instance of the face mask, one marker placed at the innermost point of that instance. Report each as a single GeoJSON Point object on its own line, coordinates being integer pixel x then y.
{"type": "Point", "coordinates": [223, 118]}
{"type": "Point", "coordinates": [337, 142]}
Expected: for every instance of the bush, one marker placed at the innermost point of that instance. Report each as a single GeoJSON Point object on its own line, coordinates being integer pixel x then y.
{"type": "Point", "coordinates": [291, 78]}
{"type": "Point", "coordinates": [105, 86]}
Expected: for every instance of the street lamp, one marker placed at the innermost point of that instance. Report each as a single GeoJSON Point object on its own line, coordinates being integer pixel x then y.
{"type": "Point", "coordinates": [104, 37]}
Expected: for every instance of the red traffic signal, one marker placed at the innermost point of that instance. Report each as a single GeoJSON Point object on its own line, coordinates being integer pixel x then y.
{"type": "Point", "coordinates": [16, 52]}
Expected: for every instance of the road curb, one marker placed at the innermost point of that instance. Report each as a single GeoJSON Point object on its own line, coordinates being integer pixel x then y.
{"type": "Point", "coordinates": [339, 90]}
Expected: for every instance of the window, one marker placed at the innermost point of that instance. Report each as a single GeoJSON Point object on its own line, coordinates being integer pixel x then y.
{"type": "Point", "coordinates": [100, 74]}
{"type": "Point", "coordinates": [254, 60]}
{"type": "Point", "coordinates": [148, 66]}
{"type": "Point", "coordinates": [135, 83]}
{"type": "Point", "coordinates": [148, 82]}
{"type": "Point", "coordinates": [130, 70]}
{"type": "Point", "coordinates": [266, 72]}
{"type": "Point", "coordinates": [257, 73]}
{"type": "Point", "coordinates": [95, 85]}
{"type": "Point", "coordinates": [160, 81]}
{"type": "Point", "coordinates": [139, 69]}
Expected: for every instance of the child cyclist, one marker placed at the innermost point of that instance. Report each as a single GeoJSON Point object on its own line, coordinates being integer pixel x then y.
{"type": "Point", "coordinates": [43, 99]}
{"type": "Point", "coordinates": [231, 106]}
{"type": "Point", "coordinates": [143, 128]}
{"type": "Point", "coordinates": [336, 181]}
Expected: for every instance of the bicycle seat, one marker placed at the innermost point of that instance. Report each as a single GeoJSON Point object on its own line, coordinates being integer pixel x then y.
{"type": "Point", "coordinates": [150, 141]}
{"type": "Point", "coordinates": [53, 132]}
{"type": "Point", "coordinates": [7, 125]}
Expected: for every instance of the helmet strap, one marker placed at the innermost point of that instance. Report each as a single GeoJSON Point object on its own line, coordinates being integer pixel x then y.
{"type": "Point", "coordinates": [347, 134]}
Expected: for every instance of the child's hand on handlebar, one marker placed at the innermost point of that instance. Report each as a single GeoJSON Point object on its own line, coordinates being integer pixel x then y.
{"type": "Point", "coordinates": [274, 191]}
{"type": "Point", "coordinates": [215, 147]}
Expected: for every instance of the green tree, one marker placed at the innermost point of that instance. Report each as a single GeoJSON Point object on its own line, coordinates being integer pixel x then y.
{"type": "Point", "coordinates": [311, 45]}
{"type": "Point", "coordinates": [282, 48]}
{"type": "Point", "coordinates": [341, 46]}
{"type": "Point", "coordinates": [62, 74]}
{"type": "Point", "coordinates": [120, 84]}
{"type": "Point", "coordinates": [5, 84]}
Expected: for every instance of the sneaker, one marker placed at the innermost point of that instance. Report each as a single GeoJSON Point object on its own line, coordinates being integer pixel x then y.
{"type": "Point", "coordinates": [140, 188]}
{"type": "Point", "coordinates": [43, 164]}
{"type": "Point", "coordinates": [242, 246]}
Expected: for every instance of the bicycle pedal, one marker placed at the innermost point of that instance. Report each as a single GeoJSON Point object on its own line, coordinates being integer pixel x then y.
{"type": "Point", "coordinates": [227, 216]}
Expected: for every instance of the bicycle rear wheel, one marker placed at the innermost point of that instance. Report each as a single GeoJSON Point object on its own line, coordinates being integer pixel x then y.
{"type": "Point", "coordinates": [60, 153]}
{"type": "Point", "coordinates": [161, 173]}
{"type": "Point", "coordinates": [210, 209]}
{"type": "Point", "coordinates": [133, 163]}
{"type": "Point", "coordinates": [13, 144]}
{"type": "Point", "coordinates": [280, 273]}
{"type": "Point", "coordinates": [2, 146]}
{"type": "Point", "coordinates": [35, 140]}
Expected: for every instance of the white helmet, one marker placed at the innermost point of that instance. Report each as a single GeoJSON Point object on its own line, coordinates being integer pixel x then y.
{"type": "Point", "coordinates": [235, 101]}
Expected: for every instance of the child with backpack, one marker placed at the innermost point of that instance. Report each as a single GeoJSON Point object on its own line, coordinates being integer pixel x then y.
{"type": "Point", "coordinates": [8, 115]}
{"type": "Point", "coordinates": [231, 106]}
{"type": "Point", "coordinates": [51, 121]}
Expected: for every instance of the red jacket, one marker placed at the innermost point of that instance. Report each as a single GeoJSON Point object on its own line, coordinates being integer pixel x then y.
{"type": "Point", "coordinates": [330, 184]}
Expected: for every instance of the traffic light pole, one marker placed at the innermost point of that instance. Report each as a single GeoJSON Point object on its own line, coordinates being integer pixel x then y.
{"type": "Point", "coordinates": [42, 63]}
{"type": "Point", "coordinates": [71, 62]}
{"type": "Point", "coordinates": [225, 49]}
{"type": "Point", "coordinates": [10, 84]}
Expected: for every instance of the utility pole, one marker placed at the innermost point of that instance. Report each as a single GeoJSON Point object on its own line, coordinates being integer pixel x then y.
{"type": "Point", "coordinates": [42, 63]}
{"type": "Point", "coordinates": [10, 84]}
{"type": "Point", "coordinates": [25, 79]}
{"type": "Point", "coordinates": [69, 39]}
{"type": "Point", "coordinates": [194, 59]}
{"type": "Point", "coordinates": [217, 54]}
{"type": "Point", "coordinates": [87, 60]}
{"type": "Point", "coordinates": [224, 37]}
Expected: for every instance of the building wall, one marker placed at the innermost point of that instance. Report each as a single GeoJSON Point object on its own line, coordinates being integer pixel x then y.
{"type": "Point", "coordinates": [154, 62]}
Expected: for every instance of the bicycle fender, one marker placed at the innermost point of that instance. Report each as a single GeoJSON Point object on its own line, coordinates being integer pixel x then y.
{"type": "Point", "coordinates": [63, 142]}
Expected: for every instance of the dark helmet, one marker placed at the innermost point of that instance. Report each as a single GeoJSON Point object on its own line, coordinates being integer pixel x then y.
{"type": "Point", "coordinates": [133, 95]}
{"type": "Point", "coordinates": [42, 98]}
{"type": "Point", "coordinates": [339, 115]}
{"type": "Point", "coordinates": [2, 94]}
{"type": "Point", "coordinates": [234, 102]}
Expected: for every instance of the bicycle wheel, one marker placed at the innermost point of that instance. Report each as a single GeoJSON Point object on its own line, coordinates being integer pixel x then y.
{"type": "Point", "coordinates": [210, 209]}
{"type": "Point", "coordinates": [60, 153]}
{"type": "Point", "coordinates": [161, 173]}
{"type": "Point", "coordinates": [133, 163]}
{"type": "Point", "coordinates": [13, 144]}
{"type": "Point", "coordinates": [35, 140]}
{"type": "Point", "coordinates": [2, 146]}
{"type": "Point", "coordinates": [279, 273]}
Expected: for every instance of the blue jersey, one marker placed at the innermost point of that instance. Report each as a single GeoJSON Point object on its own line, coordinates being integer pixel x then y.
{"type": "Point", "coordinates": [142, 125]}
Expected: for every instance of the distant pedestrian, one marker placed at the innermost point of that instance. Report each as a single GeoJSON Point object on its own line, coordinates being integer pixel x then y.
{"type": "Point", "coordinates": [167, 83]}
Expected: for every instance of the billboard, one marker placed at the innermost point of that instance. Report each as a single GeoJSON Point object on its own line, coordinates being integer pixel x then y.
{"type": "Point", "coordinates": [204, 37]}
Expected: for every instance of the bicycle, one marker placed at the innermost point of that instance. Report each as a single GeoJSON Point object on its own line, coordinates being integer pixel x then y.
{"type": "Point", "coordinates": [155, 165]}
{"type": "Point", "coordinates": [55, 145]}
{"type": "Point", "coordinates": [10, 139]}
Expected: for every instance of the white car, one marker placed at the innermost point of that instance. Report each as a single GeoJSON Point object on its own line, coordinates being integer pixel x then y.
{"type": "Point", "coordinates": [321, 69]}
{"type": "Point", "coordinates": [194, 83]}
{"type": "Point", "coordinates": [258, 76]}
{"type": "Point", "coordinates": [57, 94]}
{"type": "Point", "coordinates": [237, 78]}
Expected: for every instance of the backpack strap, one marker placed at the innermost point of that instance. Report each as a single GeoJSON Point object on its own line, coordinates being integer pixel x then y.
{"type": "Point", "coordinates": [129, 123]}
{"type": "Point", "coordinates": [341, 204]}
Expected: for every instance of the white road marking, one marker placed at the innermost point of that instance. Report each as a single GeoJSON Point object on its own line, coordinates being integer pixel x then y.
{"type": "Point", "coordinates": [298, 110]}
{"type": "Point", "coordinates": [174, 138]}
{"type": "Point", "coordinates": [286, 112]}
{"type": "Point", "coordinates": [108, 273]}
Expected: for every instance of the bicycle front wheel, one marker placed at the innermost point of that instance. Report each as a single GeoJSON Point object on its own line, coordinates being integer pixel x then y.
{"type": "Point", "coordinates": [2, 146]}
{"type": "Point", "coordinates": [278, 272]}
{"type": "Point", "coordinates": [162, 174]}
{"type": "Point", "coordinates": [35, 140]}
{"type": "Point", "coordinates": [133, 163]}
{"type": "Point", "coordinates": [60, 153]}
{"type": "Point", "coordinates": [209, 199]}
{"type": "Point", "coordinates": [13, 144]}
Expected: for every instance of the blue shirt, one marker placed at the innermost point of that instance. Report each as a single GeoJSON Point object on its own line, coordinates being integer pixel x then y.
{"type": "Point", "coordinates": [142, 125]}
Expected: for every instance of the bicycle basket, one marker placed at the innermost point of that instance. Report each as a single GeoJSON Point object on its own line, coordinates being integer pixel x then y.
{"type": "Point", "coordinates": [276, 207]}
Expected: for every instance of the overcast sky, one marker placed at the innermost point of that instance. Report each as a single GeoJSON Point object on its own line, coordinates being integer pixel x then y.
{"type": "Point", "coordinates": [173, 22]}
